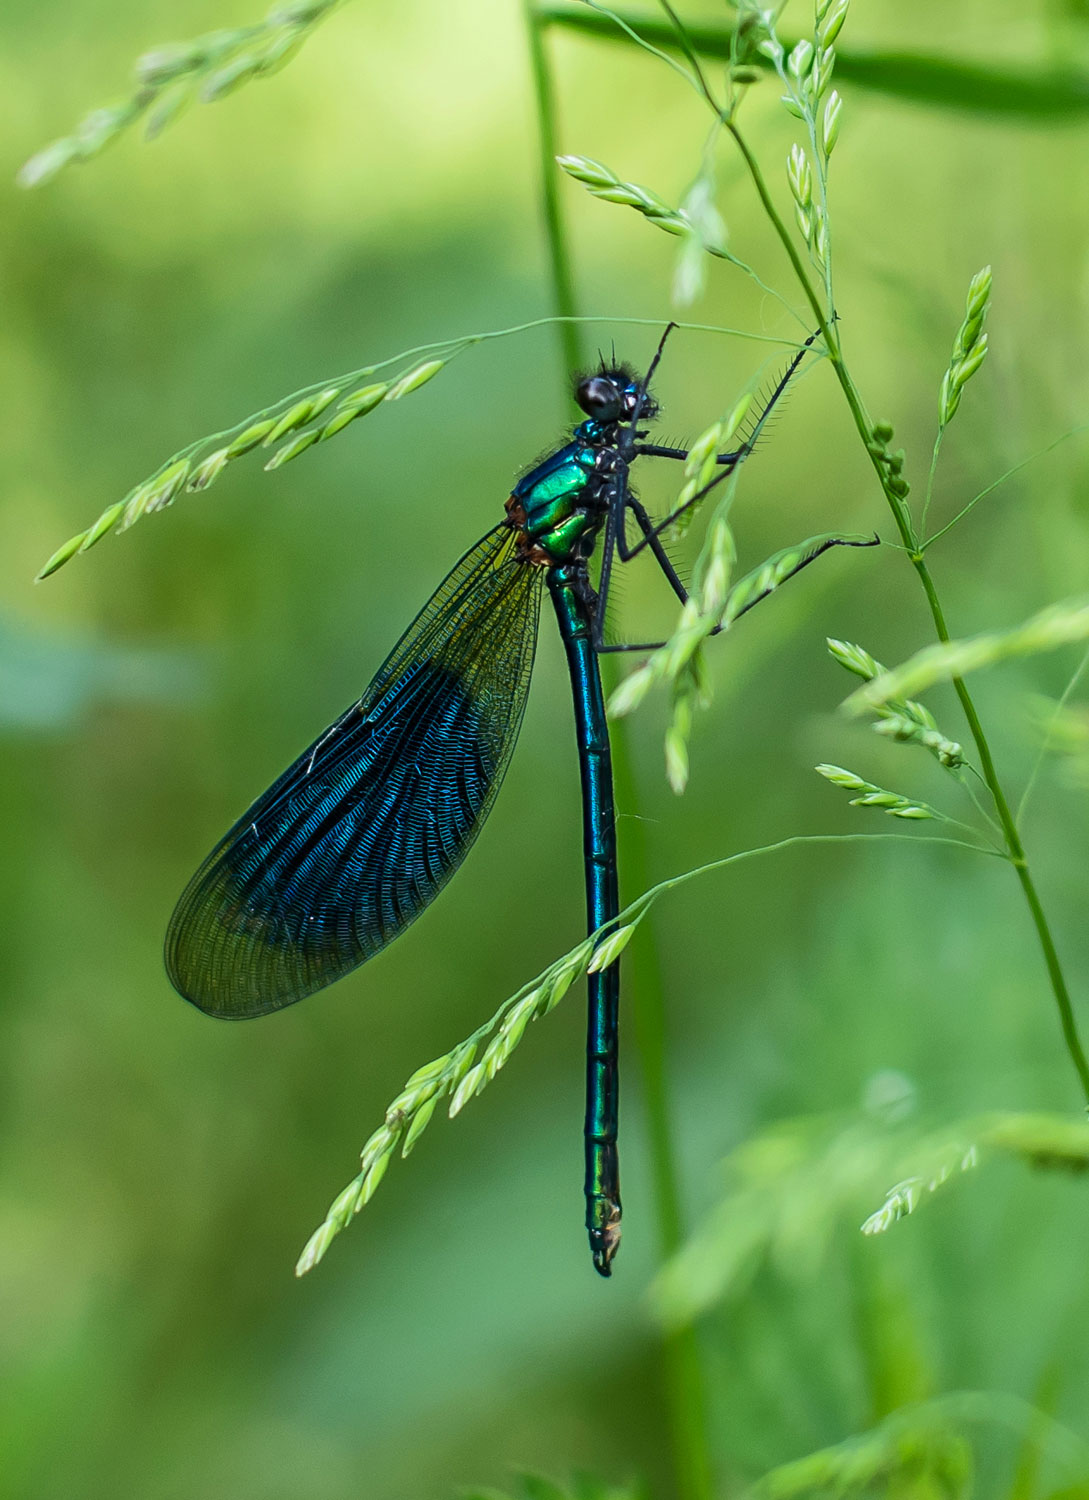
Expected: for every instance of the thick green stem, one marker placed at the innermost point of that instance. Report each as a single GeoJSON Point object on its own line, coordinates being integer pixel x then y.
{"type": "Point", "coordinates": [685, 1382]}
{"type": "Point", "coordinates": [902, 516]}
{"type": "Point", "coordinates": [563, 286]}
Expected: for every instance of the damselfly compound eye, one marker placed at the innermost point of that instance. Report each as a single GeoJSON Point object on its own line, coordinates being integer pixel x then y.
{"type": "Point", "coordinates": [600, 397]}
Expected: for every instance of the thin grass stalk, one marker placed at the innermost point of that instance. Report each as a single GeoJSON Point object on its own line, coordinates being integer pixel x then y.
{"type": "Point", "coordinates": [685, 1374]}
{"type": "Point", "coordinates": [902, 517]}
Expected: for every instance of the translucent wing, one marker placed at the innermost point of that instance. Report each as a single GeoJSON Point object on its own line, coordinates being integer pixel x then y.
{"type": "Point", "coordinates": [364, 830]}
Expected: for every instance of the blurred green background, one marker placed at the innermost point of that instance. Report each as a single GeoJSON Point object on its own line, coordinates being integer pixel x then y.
{"type": "Point", "coordinates": [159, 1172]}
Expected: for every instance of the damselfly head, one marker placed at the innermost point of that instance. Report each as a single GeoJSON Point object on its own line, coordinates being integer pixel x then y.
{"type": "Point", "coordinates": [611, 393]}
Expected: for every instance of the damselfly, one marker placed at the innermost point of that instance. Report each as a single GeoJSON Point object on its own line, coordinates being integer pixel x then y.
{"type": "Point", "coordinates": [358, 836]}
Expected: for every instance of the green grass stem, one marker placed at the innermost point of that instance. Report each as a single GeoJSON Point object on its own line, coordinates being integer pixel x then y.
{"type": "Point", "coordinates": [905, 526]}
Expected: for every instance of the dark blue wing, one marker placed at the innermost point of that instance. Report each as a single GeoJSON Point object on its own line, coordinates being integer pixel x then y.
{"type": "Point", "coordinates": [364, 830]}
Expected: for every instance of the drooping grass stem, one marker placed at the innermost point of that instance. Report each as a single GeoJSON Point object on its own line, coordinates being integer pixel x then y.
{"type": "Point", "coordinates": [904, 524]}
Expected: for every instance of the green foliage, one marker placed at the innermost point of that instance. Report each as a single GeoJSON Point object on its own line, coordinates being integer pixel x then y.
{"type": "Point", "coordinates": [788, 1190]}
{"type": "Point", "coordinates": [536, 1487]}
{"type": "Point", "coordinates": [461, 1074]}
{"type": "Point", "coordinates": [713, 606]}
{"type": "Point", "coordinates": [603, 183]}
{"type": "Point", "coordinates": [915, 1452]}
{"type": "Point", "coordinates": [925, 1449]}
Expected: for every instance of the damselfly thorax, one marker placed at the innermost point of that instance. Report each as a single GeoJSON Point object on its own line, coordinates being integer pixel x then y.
{"type": "Point", "coordinates": [560, 505]}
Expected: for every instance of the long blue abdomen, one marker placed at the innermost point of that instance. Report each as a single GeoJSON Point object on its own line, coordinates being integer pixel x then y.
{"type": "Point", "coordinates": [602, 904]}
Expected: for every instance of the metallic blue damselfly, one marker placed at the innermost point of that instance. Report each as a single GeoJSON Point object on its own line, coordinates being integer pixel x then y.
{"type": "Point", "coordinates": [362, 832]}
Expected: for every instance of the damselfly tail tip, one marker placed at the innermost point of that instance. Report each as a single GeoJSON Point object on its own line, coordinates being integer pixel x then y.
{"type": "Point", "coordinates": [604, 1243]}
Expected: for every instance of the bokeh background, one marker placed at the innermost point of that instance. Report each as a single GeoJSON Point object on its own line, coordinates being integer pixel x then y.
{"type": "Point", "coordinates": [159, 1172]}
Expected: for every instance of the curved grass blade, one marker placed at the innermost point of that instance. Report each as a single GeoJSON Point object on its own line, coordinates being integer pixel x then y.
{"type": "Point", "coordinates": [1030, 93]}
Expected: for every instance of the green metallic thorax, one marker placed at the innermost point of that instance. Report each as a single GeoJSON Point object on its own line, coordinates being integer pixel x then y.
{"type": "Point", "coordinates": [557, 506]}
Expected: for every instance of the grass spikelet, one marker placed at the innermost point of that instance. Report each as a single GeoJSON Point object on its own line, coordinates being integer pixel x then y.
{"type": "Point", "coordinates": [830, 123]}
{"type": "Point", "coordinates": [474, 1080]}
{"type": "Point", "coordinates": [800, 177]}
{"type": "Point", "coordinates": [701, 468]}
{"type": "Point", "coordinates": [157, 494]}
{"type": "Point", "coordinates": [800, 59]}
{"type": "Point", "coordinates": [373, 1178]}
{"type": "Point", "coordinates": [70, 548]}
{"type": "Point", "coordinates": [414, 379]}
{"type": "Point", "coordinates": [168, 78]}
{"type": "Point", "coordinates": [700, 465]}
{"type": "Point", "coordinates": [868, 795]}
{"type": "Point", "coordinates": [830, 19]}
{"type": "Point", "coordinates": [676, 746]}
{"type": "Point", "coordinates": [292, 450]}
{"type": "Point", "coordinates": [207, 471]}
{"type": "Point", "coordinates": [970, 348]}
{"type": "Point", "coordinates": [250, 437]}
{"type": "Point", "coordinates": [294, 417]}
{"type": "Point", "coordinates": [907, 722]}
{"type": "Point", "coordinates": [106, 522]}
{"type": "Point", "coordinates": [1047, 1141]}
{"type": "Point", "coordinates": [1057, 625]}
{"type": "Point", "coordinates": [679, 662]}
{"type": "Point", "coordinates": [855, 659]}
{"type": "Point", "coordinates": [610, 949]}
{"type": "Point", "coordinates": [420, 1121]}
{"type": "Point", "coordinates": [356, 405]}
{"type": "Point", "coordinates": [603, 183]}
{"type": "Point", "coordinates": [903, 1199]}
{"type": "Point", "coordinates": [199, 465]}
{"type": "Point", "coordinates": [908, 731]}
{"type": "Point", "coordinates": [627, 697]}
{"type": "Point", "coordinates": [457, 1076]}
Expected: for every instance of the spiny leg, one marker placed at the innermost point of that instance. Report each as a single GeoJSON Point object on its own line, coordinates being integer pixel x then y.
{"type": "Point", "coordinates": [683, 595]}
{"type": "Point", "coordinates": [615, 540]}
{"type": "Point", "coordinates": [727, 461]}
{"type": "Point", "coordinates": [662, 450]}
{"type": "Point", "coordinates": [616, 537]}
